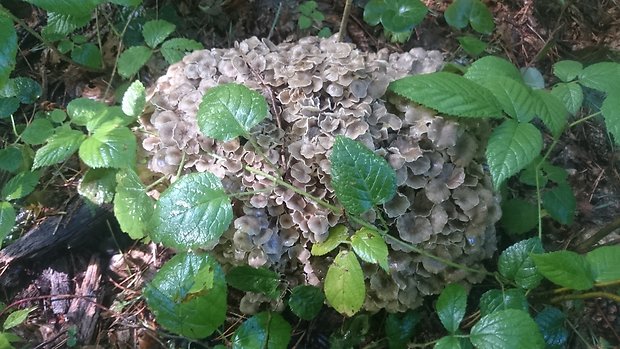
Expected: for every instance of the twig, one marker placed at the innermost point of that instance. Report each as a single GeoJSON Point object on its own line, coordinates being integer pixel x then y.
{"type": "Point", "coordinates": [587, 244]}
{"type": "Point", "coordinates": [345, 19]}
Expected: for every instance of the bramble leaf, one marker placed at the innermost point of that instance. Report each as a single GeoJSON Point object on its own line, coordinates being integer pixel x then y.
{"type": "Point", "coordinates": [8, 49]}
{"type": "Point", "coordinates": [16, 318]}
{"type": "Point", "coordinates": [132, 59]}
{"type": "Point", "coordinates": [193, 212]}
{"type": "Point", "coordinates": [567, 70]}
{"type": "Point", "coordinates": [611, 113]}
{"type": "Point", "coordinates": [570, 94]}
{"type": "Point", "coordinates": [25, 89]}
{"type": "Point", "coordinates": [514, 97]}
{"type": "Point", "coordinates": [560, 203]}
{"type": "Point", "coordinates": [451, 306]}
{"type": "Point", "coordinates": [512, 146]}
{"type": "Point", "coordinates": [344, 284]}
{"type": "Point", "coordinates": [266, 330]}
{"type": "Point", "coordinates": [20, 185]}
{"type": "Point", "coordinates": [533, 78]}
{"type": "Point", "coordinates": [489, 67]}
{"type": "Point", "coordinates": [134, 99]}
{"type": "Point", "coordinates": [68, 7]}
{"type": "Point", "coordinates": [11, 159]}
{"type": "Point", "coordinates": [551, 111]}
{"type": "Point", "coordinates": [370, 247]}
{"type": "Point", "coordinates": [518, 216]}
{"type": "Point", "coordinates": [59, 148]}
{"type": "Point", "coordinates": [494, 300]}
{"type": "Point", "coordinates": [473, 46]}
{"type": "Point", "coordinates": [38, 131]}
{"type": "Point", "coordinates": [515, 263]}
{"type": "Point", "coordinates": [306, 301]}
{"type": "Point", "coordinates": [506, 329]}
{"type": "Point", "coordinates": [551, 324]}
{"type": "Point", "coordinates": [602, 76]}
{"type": "Point", "coordinates": [175, 49]}
{"type": "Point", "coordinates": [565, 268]}
{"type": "Point", "coordinates": [230, 110]}
{"type": "Point", "coordinates": [258, 280]}
{"type": "Point", "coordinates": [98, 185]}
{"type": "Point", "coordinates": [361, 179]}
{"type": "Point", "coordinates": [399, 328]}
{"type": "Point", "coordinates": [337, 235]}
{"type": "Point", "coordinates": [604, 262]}
{"type": "Point", "coordinates": [109, 146]}
{"type": "Point", "coordinates": [132, 206]}
{"type": "Point", "coordinates": [7, 219]}
{"type": "Point", "coordinates": [156, 31]}
{"type": "Point", "coordinates": [8, 106]}
{"type": "Point", "coordinates": [87, 54]}
{"type": "Point", "coordinates": [474, 12]}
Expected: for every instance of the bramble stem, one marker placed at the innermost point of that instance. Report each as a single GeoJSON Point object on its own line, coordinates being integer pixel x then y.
{"type": "Point", "coordinates": [586, 118]}
{"type": "Point", "coordinates": [588, 295]}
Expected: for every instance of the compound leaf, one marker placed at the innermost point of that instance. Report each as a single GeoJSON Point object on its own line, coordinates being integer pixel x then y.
{"type": "Point", "coordinates": [109, 146]}
{"type": "Point", "coordinates": [306, 301]}
{"type": "Point", "coordinates": [449, 94]}
{"type": "Point", "coordinates": [565, 268]}
{"type": "Point", "coordinates": [230, 110]}
{"type": "Point", "coordinates": [132, 59]}
{"type": "Point", "coordinates": [174, 49]}
{"type": "Point", "coordinates": [567, 70]}
{"type": "Point", "coordinates": [604, 262]}
{"type": "Point", "coordinates": [193, 212]}
{"type": "Point", "coordinates": [601, 76]}
{"type": "Point", "coordinates": [507, 329]}
{"type": "Point", "coordinates": [570, 94]}
{"type": "Point", "coordinates": [344, 284]}
{"type": "Point", "coordinates": [512, 146]}
{"type": "Point", "coordinates": [59, 148]}
{"type": "Point", "coordinates": [132, 206]}
{"type": "Point", "coordinates": [515, 263]}
{"type": "Point", "coordinates": [370, 247]}
{"type": "Point", "coordinates": [258, 280]}
{"type": "Point", "coordinates": [451, 306]}
{"type": "Point", "coordinates": [156, 31]}
{"type": "Point", "coordinates": [514, 97]}
{"type": "Point", "coordinates": [266, 330]}
{"type": "Point", "coordinates": [361, 179]}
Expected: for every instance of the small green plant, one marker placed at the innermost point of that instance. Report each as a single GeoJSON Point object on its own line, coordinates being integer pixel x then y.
{"type": "Point", "coordinates": [462, 13]}
{"type": "Point", "coordinates": [397, 17]}
{"type": "Point", "coordinates": [310, 16]}
{"type": "Point", "coordinates": [15, 318]}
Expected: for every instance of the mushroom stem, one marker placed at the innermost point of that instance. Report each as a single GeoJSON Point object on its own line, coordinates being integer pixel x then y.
{"type": "Point", "coordinates": [345, 19]}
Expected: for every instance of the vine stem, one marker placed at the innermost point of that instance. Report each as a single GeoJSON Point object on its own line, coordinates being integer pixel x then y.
{"type": "Point", "coordinates": [344, 20]}
{"type": "Point", "coordinates": [588, 295]}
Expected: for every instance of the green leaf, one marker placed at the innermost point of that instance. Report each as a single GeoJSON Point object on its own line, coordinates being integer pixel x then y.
{"type": "Point", "coordinates": [402, 16]}
{"type": "Point", "coordinates": [8, 49]}
{"type": "Point", "coordinates": [132, 206]}
{"type": "Point", "coordinates": [7, 219]}
{"type": "Point", "coordinates": [109, 146]}
{"type": "Point", "coordinates": [551, 111]}
{"type": "Point", "coordinates": [457, 14]}
{"type": "Point", "coordinates": [565, 268]}
{"type": "Point", "coordinates": [25, 89]}
{"type": "Point", "coordinates": [344, 284]}
{"type": "Point", "coordinates": [325, 33]}
{"type": "Point", "coordinates": [601, 76]}
{"type": "Point", "coordinates": [16, 318]}
{"type": "Point", "coordinates": [11, 159]}
{"type": "Point", "coordinates": [173, 50]}
{"type": "Point", "coordinates": [512, 146]}
{"type": "Point", "coordinates": [21, 185]}
{"type": "Point", "coordinates": [59, 148]}
{"type": "Point", "coordinates": [193, 212]}
{"type": "Point", "coordinates": [88, 54]}
{"type": "Point", "coordinates": [176, 308]}
{"type": "Point", "coordinates": [58, 116]}
{"type": "Point", "coordinates": [480, 18]}
{"type": "Point", "coordinates": [494, 300]}
{"type": "Point", "coordinates": [399, 328]}
{"type": "Point", "coordinates": [451, 342]}
{"type": "Point", "coordinates": [264, 330]}
{"type": "Point", "coordinates": [370, 247]}
{"type": "Point", "coordinates": [533, 78]}
{"type": "Point", "coordinates": [449, 94]}
{"type": "Point", "coordinates": [567, 70]}
{"type": "Point", "coordinates": [473, 46]}
{"type": "Point", "coordinates": [518, 216]}
{"type": "Point", "coordinates": [61, 25]}
{"type": "Point", "coordinates": [306, 301]}
{"type": "Point", "coordinates": [134, 99]}
{"type": "Point", "coordinates": [304, 22]}
{"type": "Point", "coordinates": [258, 280]}
{"type": "Point", "coordinates": [570, 94]}
{"type": "Point", "coordinates": [507, 329]}
{"type": "Point", "coordinates": [155, 32]}
{"type": "Point", "coordinates": [83, 111]}
{"type": "Point", "coordinates": [68, 7]}
{"type": "Point", "coordinates": [8, 106]}
{"type": "Point", "coordinates": [98, 185]}
{"type": "Point", "coordinates": [230, 110]}
{"type": "Point", "coordinates": [337, 235]}
{"type": "Point", "coordinates": [38, 132]}
{"type": "Point", "coordinates": [560, 203]}
{"type": "Point", "coordinates": [515, 97]}
{"type": "Point", "coordinates": [604, 262]}
{"type": "Point", "coordinates": [132, 59]}
{"type": "Point", "coordinates": [489, 67]}
{"type": "Point", "coordinates": [551, 324]}
{"type": "Point", "coordinates": [451, 306]}
{"type": "Point", "coordinates": [361, 179]}
{"type": "Point", "coordinates": [373, 11]}
{"type": "Point", "coordinates": [515, 263]}
{"type": "Point", "coordinates": [611, 113]}
{"type": "Point", "coordinates": [127, 3]}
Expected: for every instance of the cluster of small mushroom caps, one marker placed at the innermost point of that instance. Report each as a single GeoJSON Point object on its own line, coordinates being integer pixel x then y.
{"type": "Point", "coordinates": [317, 89]}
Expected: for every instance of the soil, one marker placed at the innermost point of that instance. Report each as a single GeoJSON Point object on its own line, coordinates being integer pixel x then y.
{"type": "Point", "coordinates": [96, 272]}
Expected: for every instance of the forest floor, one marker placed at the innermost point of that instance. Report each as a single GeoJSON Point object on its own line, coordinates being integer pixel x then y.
{"type": "Point", "coordinates": [528, 32]}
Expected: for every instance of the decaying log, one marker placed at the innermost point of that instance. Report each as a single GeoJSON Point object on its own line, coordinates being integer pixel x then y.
{"type": "Point", "coordinates": [83, 311]}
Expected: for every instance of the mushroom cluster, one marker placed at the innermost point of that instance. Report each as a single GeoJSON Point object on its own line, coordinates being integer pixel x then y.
{"type": "Point", "coordinates": [318, 89]}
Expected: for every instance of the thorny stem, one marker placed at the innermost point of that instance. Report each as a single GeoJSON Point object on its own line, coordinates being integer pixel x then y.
{"type": "Point", "coordinates": [588, 295]}
{"type": "Point", "coordinates": [345, 19]}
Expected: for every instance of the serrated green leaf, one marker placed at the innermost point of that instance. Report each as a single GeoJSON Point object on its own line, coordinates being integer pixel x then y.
{"type": "Point", "coordinates": [489, 67]}
{"type": "Point", "coordinates": [361, 179]}
{"type": "Point", "coordinates": [474, 12]}
{"type": "Point", "coordinates": [514, 97]}
{"type": "Point", "coordinates": [38, 132]}
{"type": "Point", "coordinates": [88, 54]}
{"type": "Point", "coordinates": [400, 16]}
{"type": "Point", "coordinates": [449, 342]}
{"type": "Point", "coordinates": [7, 219]}
{"type": "Point", "coordinates": [16, 318]}
{"type": "Point", "coordinates": [611, 113]}
{"type": "Point", "coordinates": [560, 203]}
{"type": "Point", "coordinates": [325, 32]}
{"type": "Point", "coordinates": [59, 148]}
{"type": "Point", "coordinates": [68, 7]}
{"type": "Point", "coordinates": [551, 111]}
{"type": "Point", "coordinates": [373, 11]}
{"type": "Point", "coordinates": [132, 59]}
{"type": "Point", "coordinates": [109, 146]}
{"type": "Point", "coordinates": [451, 306]}
{"type": "Point", "coordinates": [134, 99]}
{"type": "Point", "coordinates": [156, 31]}
{"type": "Point", "coordinates": [506, 329]}
{"type": "Point", "coordinates": [567, 70]}
{"type": "Point", "coordinates": [551, 324]}
{"type": "Point", "coordinates": [176, 308]}
{"type": "Point", "coordinates": [604, 262]}
{"type": "Point", "coordinates": [337, 235]}
{"type": "Point", "coordinates": [457, 14]}
{"type": "Point", "coordinates": [449, 94]}
{"type": "Point", "coordinates": [175, 49]}
{"type": "Point", "coordinates": [83, 110]}
{"type": "Point", "coordinates": [480, 18]}
{"type": "Point", "coordinates": [128, 3]}
{"type": "Point", "coordinates": [25, 89]}
{"type": "Point", "coordinates": [11, 159]}
{"type": "Point", "coordinates": [258, 280]}
{"type": "Point", "coordinates": [304, 22]}
{"type": "Point", "coordinates": [601, 76]}
{"type": "Point", "coordinates": [533, 78]}
{"type": "Point", "coordinates": [494, 300]}
{"type": "Point", "coordinates": [570, 94]}
{"type": "Point", "coordinates": [370, 247]}
{"type": "Point", "coordinates": [344, 284]}
{"type": "Point", "coordinates": [512, 146]}
{"type": "Point", "coordinates": [8, 106]}
{"type": "Point", "coordinates": [8, 49]}
{"type": "Point", "coordinates": [266, 330]}
{"type": "Point", "coordinates": [20, 185]}
{"type": "Point", "coordinates": [230, 110]}
{"type": "Point", "coordinates": [306, 301]}
{"type": "Point", "coordinates": [515, 263]}
{"type": "Point", "coordinates": [473, 46]}
{"type": "Point", "coordinates": [98, 185]}
{"type": "Point", "coordinates": [132, 206]}
{"type": "Point", "coordinates": [518, 216]}
{"type": "Point", "coordinates": [565, 268]}
{"type": "Point", "coordinates": [193, 212]}
{"type": "Point", "coordinates": [399, 328]}
{"type": "Point", "coordinates": [554, 173]}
